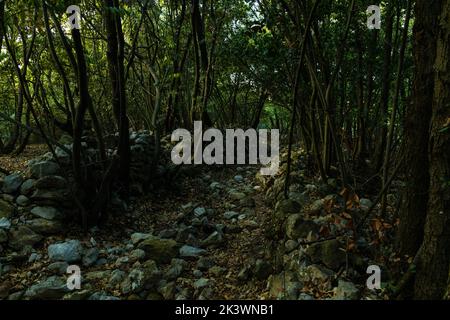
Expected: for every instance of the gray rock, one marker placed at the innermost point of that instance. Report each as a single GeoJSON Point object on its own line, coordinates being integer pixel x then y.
{"type": "Point", "coordinates": [48, 213]}
{"type": "Point", "coordinates": [317, 206]}
{"type": "Point", "coordinates": [22, 236]}
{"type": "Point", "coordinates": [5, 224]}
{"type": "Point", "coordinates": [90, 256]}
{"type": "Point", "coordinates": [290, 245]}
{"type": "Point", "coordinates": [213, 240]}
{"type": "Point", "coordinates": [168, 233]}
{"type": "Point", "coordinates": [137, 255]}
{"type": "Point", "coordinates": [59, 196]}
{"type": "Point", "coordinates": [168, 291]}
{"type": "Point", "coordinates": [78, 295]}
{"type": "Point", "coordinates": [230, 215]}
{"type": "Point", "coordinates": [217, 271]}
{"type": "Point", "coordinates": [34, 257]}
{"type": "Point", "coordinates": [51, 182]}
{"type": "Point", "coordinates": [215, 186]}
{"type": "Point", "coordinates": [206, 294]}
{"type": "Point", "coordinates": [48, 289]}
{"type": "Point", "coordinates": [174, 272]}
{"type": "Point", "coordinates": [160, 250]}
{"type": "Point", "coordinates": [43, 168]}
{"type": "Point", "coordinates": [102, 296]}
{"type": "Point", "coordinates": [201, 283]}
{"type": "Point", "coordinates": [288, 206]}
{"type": "Point", "coordinates": [58, 267]}
{"type": "Point", "coordinates": [330, 253]}
{"type": "Point", "coordinates": [138, 237]}
{"type": "Point", "coordinates": [237, 195]}
{"type": "Point", "coordinates": [197, 273]}
{"type": "Point", "coordinates": [69, 251]}
{"type": "Point", "coordinates": [62, 155]}
{"type": "Point", "coordinates": [191, 252]}
{"type": "Point", "coordinates": [317, 273]}
{"type": "Point", "coordinates": [305, 297]}
{"type": "Point", "coordinates": [117, 276]}
{"type": "Point", "coordinates": [12, 183]}
{"type": "Point", "coordinates": [45, 227]}
{"type": "Point", "coordinates": [297, 228]}
{"type": "Point", "coordinates": [346, 291]}
{"type": "Point", "coordinates": [143, 277]}
{"type": "Point", "coordinates": [239, 178]}
{"type": "Point", "coordinates": [6, 209]}
{"type": "Point", "coordinates": [16, 296]}
{"type": "Point", "coordinates": [122, 261]}
{"type": "Point", "coordinates": [22, 201]}
{"type": "Point", "coordinates": [199, 212]}
{"type": "Point", "coordinates": [27, 187]}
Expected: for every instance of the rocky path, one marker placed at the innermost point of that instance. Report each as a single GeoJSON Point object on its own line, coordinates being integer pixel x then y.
{"type": "Point", "coordinates": [202, 239]}
{"type": "Point", "coordinates": [213, 233]}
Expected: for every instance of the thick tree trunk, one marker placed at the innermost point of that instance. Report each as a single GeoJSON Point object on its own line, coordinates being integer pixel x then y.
{"type": "Point", "coordinates": [434, 260]}
{"type": "Point", "coordinates": [417, 124]}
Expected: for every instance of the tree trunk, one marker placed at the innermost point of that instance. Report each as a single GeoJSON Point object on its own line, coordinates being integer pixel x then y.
{"type": "Point", "coordinates": [417, 123]}
{"type": "Point", "coordinates": [434, 260]}
{"type": "Point", "coordinates": [116, 57]}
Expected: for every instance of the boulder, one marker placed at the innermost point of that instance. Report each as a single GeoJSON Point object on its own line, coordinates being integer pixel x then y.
{"type": "Point", "coordinates": [69, 251]}
{"type": "Point", "coordinates": [51, 182]}
{"type": "Point", "coordinates": [39, 169]}
{"type": "Point", "coordinates": [48, 213]}
{"type": "Point", "coordinates": [329, 252]}
{"type": "Point", "coordinates": [6, 209]}
{"type": "Point", "coordinates": [160, 250]}
{"type": "Point", "coordinates": [49, 289]}
{"type": "Point", "coordinates": [213, 240]}
{"type": "Point", "coordinates": [90, 256]}
{"type": "Point", "coordinates": [142, 278]}
{"type": "Point", "coordinates": [297, 228]}
{"type": "Point", "coordinates": [138, 237]}
{"type": "Point", "coordinates": [12, 183]}
{"type": "Point", "coordinates": [58, 267]}
{"type": "Point", "coordinates": [27, 187]}
{"type": "Point", "coordinates": [45, 227]}
{"type": "Point", "coordinates": [60, 196]}
{"type": "Point", "coordinates": [346, 291]}
{"type": "Point", "coordinates": [22, 201]}
{"type": "Point", "coordinates": [191, 252]}
{"type": "Point", "coordinates": [288, 206]}
{"type": "Point", "coordinates": [23, 236]}
{"type": "Point", "coordinates": [5, 224]}
{"type": "Point", "coordinates": [229, 215]}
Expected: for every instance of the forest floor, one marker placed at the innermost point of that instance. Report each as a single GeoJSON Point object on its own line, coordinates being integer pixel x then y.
{"type": "Point", "coordinates": [214, 191]}
{"type": "Point", "coordinates": [223, 219]}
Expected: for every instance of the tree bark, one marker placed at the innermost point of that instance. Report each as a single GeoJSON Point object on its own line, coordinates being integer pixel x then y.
{"type": "Point", "coordinates": [417, 124]}
{"type": "Point", "coordinates": [434, 260]}
{"type": "Point", "coordinates": [116, 57]}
